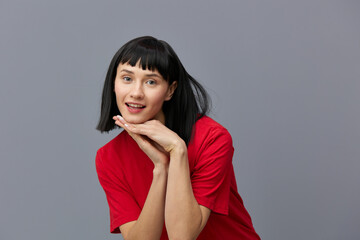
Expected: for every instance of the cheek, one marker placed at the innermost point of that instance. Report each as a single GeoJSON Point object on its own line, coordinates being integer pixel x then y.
{"type": "Point", "coordinates": [119, 92]}
{"type": "Point", "coordinates": [158, 98]}
{"type": "Point", "coordinates": [119, 96]}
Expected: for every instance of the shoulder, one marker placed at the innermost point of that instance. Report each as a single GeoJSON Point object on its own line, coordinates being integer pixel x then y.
{"type": "Point", "coordinates": [207, 128]}
{"type": "Point", "coordinates": [121, 137]}
{"type": "Point", "coordinates": [208, 132]}
{"type": "Point", "coordinates": [106, 152]}
{"type": "Point", "coordinates": [211, 145]}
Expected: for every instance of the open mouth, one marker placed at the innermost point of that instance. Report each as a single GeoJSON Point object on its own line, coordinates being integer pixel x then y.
{"type": "Point", "coordinates": [135, 106]}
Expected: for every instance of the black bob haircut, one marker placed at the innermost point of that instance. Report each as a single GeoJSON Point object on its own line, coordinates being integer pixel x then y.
{"type": "Point", "coordinates": [189, 102]}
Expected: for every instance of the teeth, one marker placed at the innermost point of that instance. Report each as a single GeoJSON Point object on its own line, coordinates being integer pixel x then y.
{"type": "Point", "coordinates": [135, 105]}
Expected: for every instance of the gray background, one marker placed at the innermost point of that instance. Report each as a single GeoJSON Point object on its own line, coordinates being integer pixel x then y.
{"type": "Point", "coordinates": [284, 77]}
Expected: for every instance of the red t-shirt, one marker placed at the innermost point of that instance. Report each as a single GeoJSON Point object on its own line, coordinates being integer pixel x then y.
{"type": "Point", "coordinates": [125, 173]}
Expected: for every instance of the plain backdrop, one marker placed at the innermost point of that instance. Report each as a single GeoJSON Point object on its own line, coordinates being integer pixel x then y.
{"type": "Point", "coordinates": [284, 77]}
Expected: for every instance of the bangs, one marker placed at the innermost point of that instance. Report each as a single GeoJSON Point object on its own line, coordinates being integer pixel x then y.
{"type": "Point", "coordinates": [151, 54]}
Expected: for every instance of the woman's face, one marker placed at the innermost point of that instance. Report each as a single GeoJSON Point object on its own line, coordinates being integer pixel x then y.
{"type": "Point", "coordinates": [140, 93]}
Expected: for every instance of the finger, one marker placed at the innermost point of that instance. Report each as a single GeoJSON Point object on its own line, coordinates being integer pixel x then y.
{"type": "Point", "coordinates": [152, 129]}
{"type": "Point", "coordinates": [142, 141]}
{"type": "Point", "coordinates": [120, 121]}
{"type": "Point", "coordinates": [141, 128]}
{"type": "Point", "coordinates": [117, 122]}
{"type": "Point", "coordinates": [122, 125]}
{"type": "Point", "coordinates": [126, 125]}
{"type": "Point", "coordinates": [148, 128]}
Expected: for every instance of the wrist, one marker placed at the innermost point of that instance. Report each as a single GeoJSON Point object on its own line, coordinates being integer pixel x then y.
{"type": "Point", "coordinates": [179, 149]}
{"type": "Point", "coordinates": [161, 169]}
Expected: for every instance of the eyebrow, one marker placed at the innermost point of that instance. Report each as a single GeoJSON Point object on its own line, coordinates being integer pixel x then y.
{"type": "Point", "coordinates": [153, 75]}
{"type": "Point", "coordinates": [127, 71]}
{"type": "Point", "coordinates": [148, 75]}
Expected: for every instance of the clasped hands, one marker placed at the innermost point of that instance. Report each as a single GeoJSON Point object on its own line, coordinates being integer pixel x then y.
{"type": "Point", "coordinates": [156, 140]}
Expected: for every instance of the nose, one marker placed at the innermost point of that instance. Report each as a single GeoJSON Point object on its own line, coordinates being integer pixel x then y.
{"type": "Point", "coordinates": [137, 91]}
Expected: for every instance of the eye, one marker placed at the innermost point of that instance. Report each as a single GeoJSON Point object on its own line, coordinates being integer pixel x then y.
{"type": "Point", "coordinates": [126, 79]}
{"type": "Point", "coordinates": [151, 82]}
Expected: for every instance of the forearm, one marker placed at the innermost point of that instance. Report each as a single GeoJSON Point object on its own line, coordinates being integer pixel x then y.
{"type": "Point", "coordinates": [183, 216]}
{"type": "Point", "coordinates": [151, 220]}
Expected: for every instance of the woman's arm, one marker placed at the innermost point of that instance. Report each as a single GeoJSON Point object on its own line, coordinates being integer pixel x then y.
{"type": "Point", "coordinates": [184, 217]}
{"type": "Point", "coordinates": [150, 223]}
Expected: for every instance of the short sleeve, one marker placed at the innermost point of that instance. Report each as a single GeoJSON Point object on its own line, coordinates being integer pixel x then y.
{"type": "Point", "coordinates": [123, 207]}
{"type": "Point", "coordinates": [211, 176]}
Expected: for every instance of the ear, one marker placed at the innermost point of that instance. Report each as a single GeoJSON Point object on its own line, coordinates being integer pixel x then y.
{"type": "Point", "coordinates": [171, 91]}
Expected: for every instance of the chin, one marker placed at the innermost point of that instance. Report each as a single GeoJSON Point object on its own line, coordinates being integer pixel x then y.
{"type": "Point", "coordinates": [134, 120]}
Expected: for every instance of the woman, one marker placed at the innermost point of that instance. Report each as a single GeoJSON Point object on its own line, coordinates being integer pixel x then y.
{"type": "Point", "coordinates": [172, 164]}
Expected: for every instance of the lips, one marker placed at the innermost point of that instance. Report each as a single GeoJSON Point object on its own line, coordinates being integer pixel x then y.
{"type": "Point", "coordinates": [135, 105]}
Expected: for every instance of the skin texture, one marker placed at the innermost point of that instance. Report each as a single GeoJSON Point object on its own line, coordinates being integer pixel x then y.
{"type": "Point", "coordinates": [170, 197]}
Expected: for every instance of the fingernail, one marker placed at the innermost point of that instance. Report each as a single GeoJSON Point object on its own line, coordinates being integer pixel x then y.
{"type": "Point", "coordinates": [119, 117]}
{"type": "Point", "coordinates": [126, 125]}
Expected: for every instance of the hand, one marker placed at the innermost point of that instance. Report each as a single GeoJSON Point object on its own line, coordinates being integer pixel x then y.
{"type": "Point", "coordinates": [153, 150]}
{"type": "Point", "coordinates": [155, 133]}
